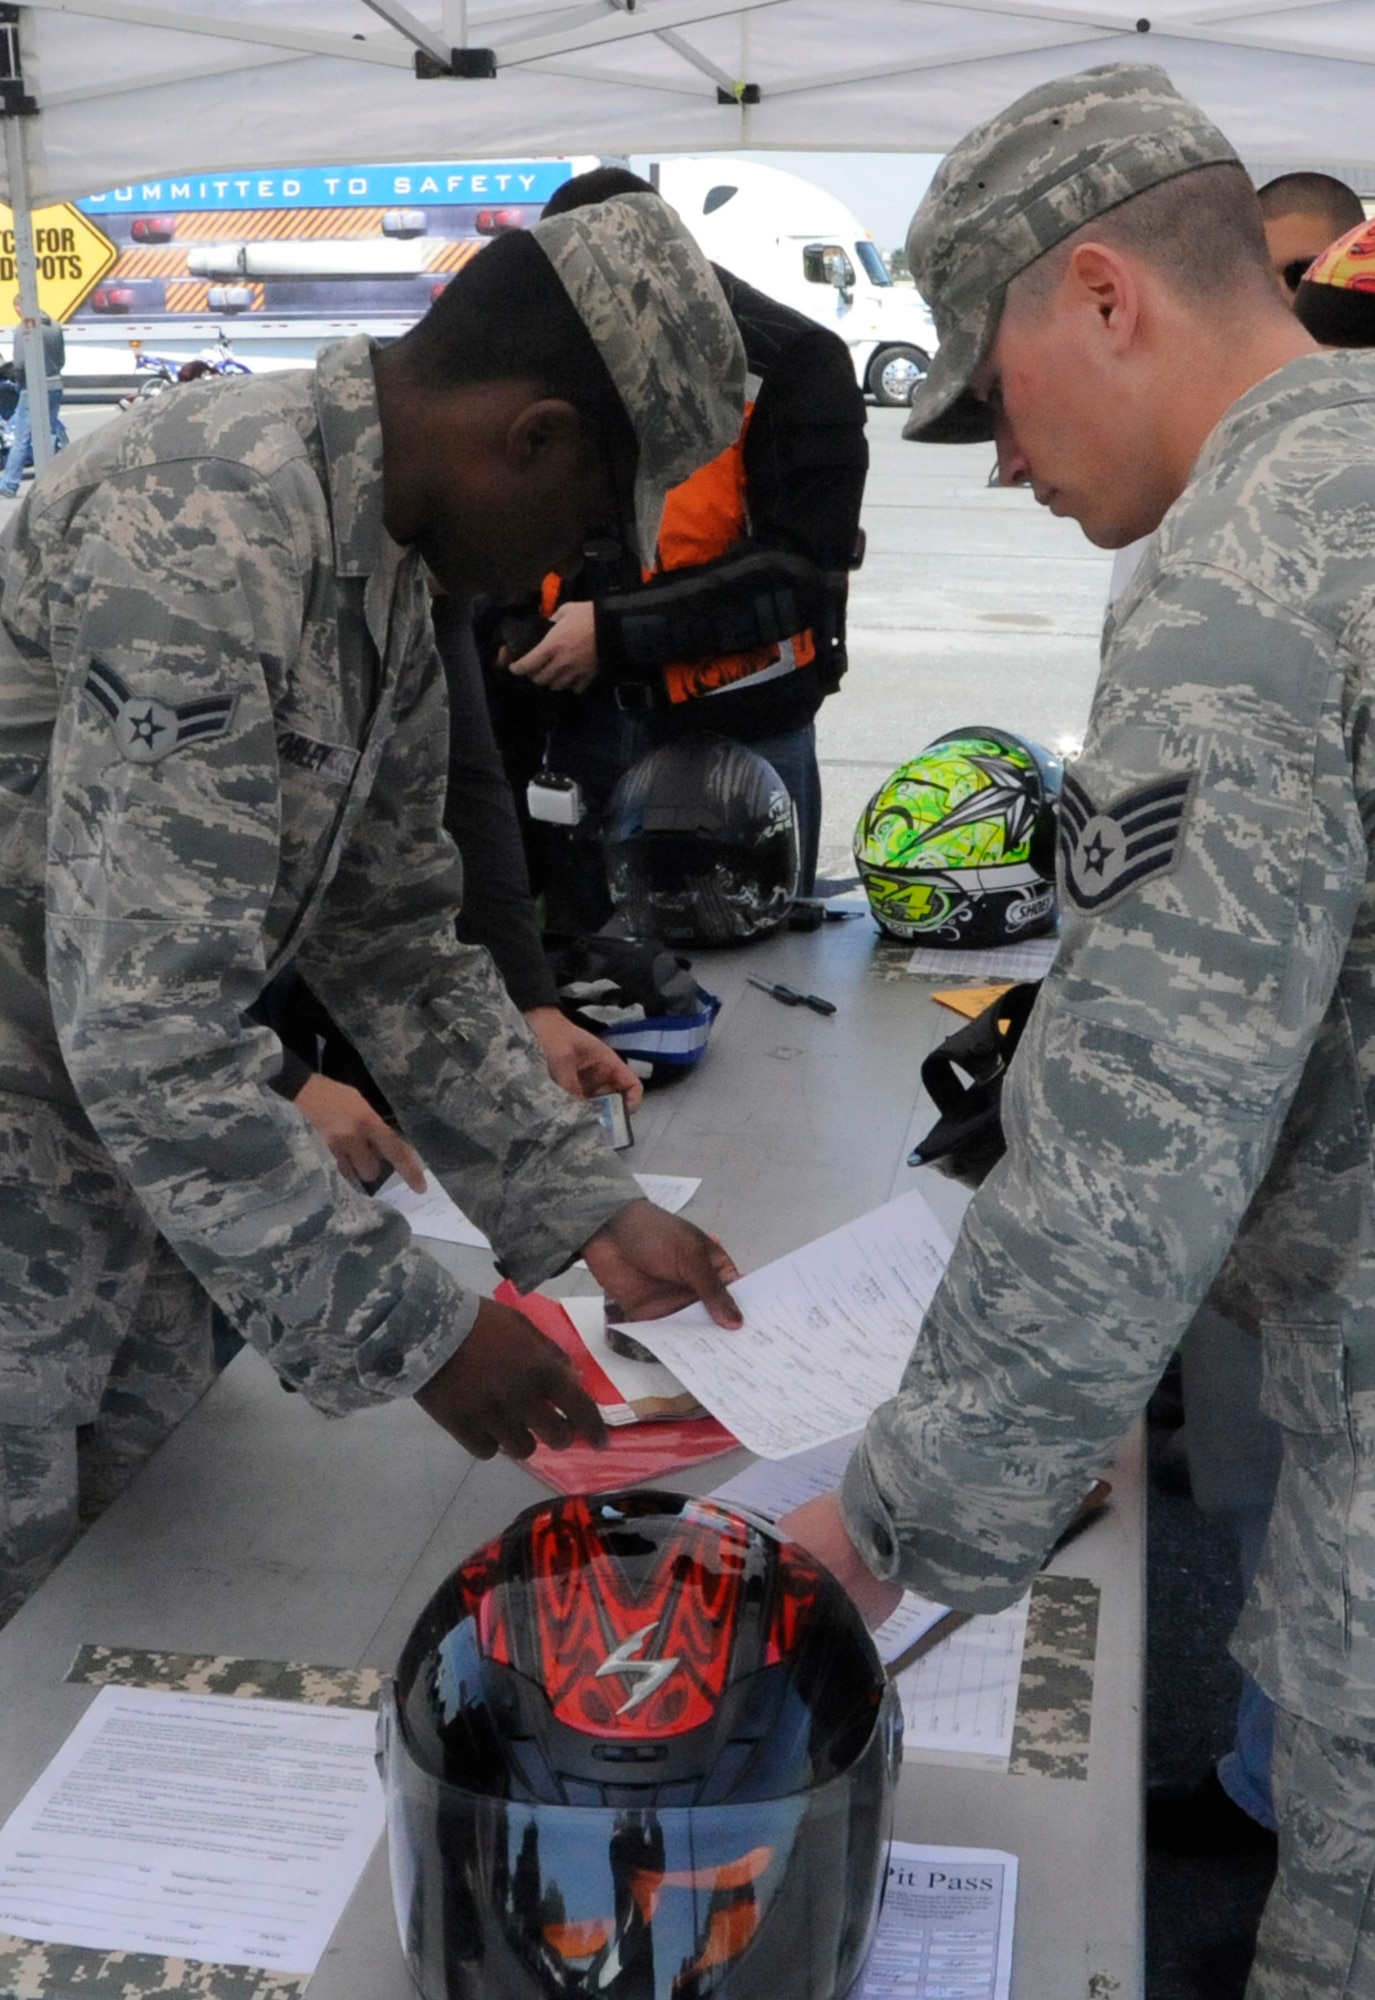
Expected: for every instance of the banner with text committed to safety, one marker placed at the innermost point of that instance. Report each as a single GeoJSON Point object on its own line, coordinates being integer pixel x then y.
{"type": "Point", "coordinates": [73, 256]}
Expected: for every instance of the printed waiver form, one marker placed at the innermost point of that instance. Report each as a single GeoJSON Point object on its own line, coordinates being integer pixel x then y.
{"type": "Point", "coordinates": [198, 1826]}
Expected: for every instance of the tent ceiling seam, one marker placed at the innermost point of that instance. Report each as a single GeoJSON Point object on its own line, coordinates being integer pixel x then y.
{"type": "Point", "coordinates": [203, 72]}
{"type": "Point", "coordinates": [1073, 37]}
{"type": "Point", "coordinates": [305, 41]}
{"type": "Point", "coordinates": [627, 27]}
{"type": "Point", "coordinates": [682, 47]}
{"type": "Point", "coordinates": [1228, 10]}
{"type": "Point", "coordinates": [617, 79]}
{"type": "Point", "coordinates": [405, 23]}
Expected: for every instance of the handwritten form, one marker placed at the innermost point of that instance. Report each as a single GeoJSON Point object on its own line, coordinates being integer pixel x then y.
{"type": "Point", "coordinates": [959, 1704]}
{"type": "Point", "coordinates": [435, 1215]}
{"type": "Point", "coordinates": [826, 1336]}
{"type": "Point", "coordinates": [196, 1826]}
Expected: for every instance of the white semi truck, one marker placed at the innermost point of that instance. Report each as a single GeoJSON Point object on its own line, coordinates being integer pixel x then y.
{"type": "Point", "coordinates": [803, 246]}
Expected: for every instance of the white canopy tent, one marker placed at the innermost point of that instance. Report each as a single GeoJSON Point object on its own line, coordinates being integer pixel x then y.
{"type": "Point", "coordinates": [108, 93]}
{"type": "Point", "coordinates": [124, 91]}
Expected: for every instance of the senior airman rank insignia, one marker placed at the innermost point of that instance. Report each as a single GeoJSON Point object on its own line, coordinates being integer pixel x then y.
{"type": "Point", "coordinates": [1110, 850]}
{"type": "Point", "coordinates": [146, 731]}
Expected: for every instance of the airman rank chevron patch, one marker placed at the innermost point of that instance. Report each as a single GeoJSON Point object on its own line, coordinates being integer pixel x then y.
{"type": "Point", "coordinates": [146, 731]}
{"type": "Point", "coordinates": [1109, 851]}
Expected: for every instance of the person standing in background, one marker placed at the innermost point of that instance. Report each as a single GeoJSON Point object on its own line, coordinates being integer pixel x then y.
{"type": "Point", "coordinates": [735, 626]}
{"type": "Point", "coordinates": [1302, 214]}
{"type": "Point", "coordinates": [21, 433]}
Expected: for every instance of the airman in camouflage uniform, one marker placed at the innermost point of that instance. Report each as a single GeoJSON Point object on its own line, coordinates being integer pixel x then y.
{"type": "Point", "coordinates": [223, 744]}
{"type": "Point", "coordinates": [1192, 1105]}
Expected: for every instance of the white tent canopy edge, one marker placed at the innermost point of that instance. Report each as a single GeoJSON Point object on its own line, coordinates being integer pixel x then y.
{"type": "Point", "coordinates": [126, 92]}
{"type": "Point", "coordinates": [117, 92]}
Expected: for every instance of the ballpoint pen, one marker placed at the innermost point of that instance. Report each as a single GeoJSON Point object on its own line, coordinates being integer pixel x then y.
{"type": "Point", "coordinates": [790, 996]}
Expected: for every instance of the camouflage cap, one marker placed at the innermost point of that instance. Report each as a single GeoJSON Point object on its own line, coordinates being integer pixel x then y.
{"type": "Point", "coordinates": [650, 301]}
{"type": "Point", "coordinates": [1015, 187]}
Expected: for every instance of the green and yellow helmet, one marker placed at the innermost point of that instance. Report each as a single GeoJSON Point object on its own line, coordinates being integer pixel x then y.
{"type": "Point", "coordinates": [958, 847]}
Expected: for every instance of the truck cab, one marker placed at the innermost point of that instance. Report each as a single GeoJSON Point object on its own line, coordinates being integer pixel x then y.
{"type": "Point", "coordinates": [803, 246]}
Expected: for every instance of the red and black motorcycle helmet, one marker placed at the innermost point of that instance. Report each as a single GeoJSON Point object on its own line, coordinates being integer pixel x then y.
{"type": "Point", "coordinates": [638, 1748]}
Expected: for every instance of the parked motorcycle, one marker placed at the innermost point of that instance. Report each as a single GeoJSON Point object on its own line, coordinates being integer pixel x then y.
{"type": "Point", "coordinates": [165, 371]}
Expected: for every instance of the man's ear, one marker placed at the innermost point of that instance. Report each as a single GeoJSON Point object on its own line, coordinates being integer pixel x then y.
{"type": "Point", "coordinates": [541, 429]}
{"type": "Point", "coordinates": [1106, 282]}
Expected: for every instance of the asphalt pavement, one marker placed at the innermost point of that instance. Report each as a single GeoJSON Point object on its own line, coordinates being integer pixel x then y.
{"type": "Point", "coordinates": [973, 605]}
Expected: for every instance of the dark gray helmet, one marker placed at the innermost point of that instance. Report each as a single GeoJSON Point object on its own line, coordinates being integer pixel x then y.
{"type": "Point", "coordinates": [701, 844]}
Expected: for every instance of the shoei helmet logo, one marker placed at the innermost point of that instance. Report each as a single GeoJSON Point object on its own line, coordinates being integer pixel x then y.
{"type": "Point", "coordinates": [650, 1674]}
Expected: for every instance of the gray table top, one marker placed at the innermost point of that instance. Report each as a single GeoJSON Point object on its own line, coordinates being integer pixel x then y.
{"type": "Point", "coordinates": [262, 1530]}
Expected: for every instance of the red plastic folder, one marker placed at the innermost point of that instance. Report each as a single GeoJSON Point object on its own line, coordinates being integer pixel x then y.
{"type": "Point", "coordinates": [634, 1452]}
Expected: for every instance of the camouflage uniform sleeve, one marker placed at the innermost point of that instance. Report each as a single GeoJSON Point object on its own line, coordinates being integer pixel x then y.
{"type": "Point", "coordinates": [1147, 1099]}
{"type": "Point", "coordinates": [435, 1025]}
{"type": "Point", "coordinates": [183, 598]}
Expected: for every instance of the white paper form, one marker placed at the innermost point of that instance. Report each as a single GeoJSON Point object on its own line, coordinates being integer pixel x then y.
{"type": "Point", "coordinates": [433, 1214]}
{"type": "Point", "coordinates": [1031, 960]}
{"type": "Point", "coordinates": [773, 1487]}
{"type": "Point", "coordinates": [946, 1928]}
{"type": "Point", "coordinates": [960, 1702]}
{"type": "Point", "coordinates": [198, 1826]}
{"type": "Point", "coordinates": [826, 1336]}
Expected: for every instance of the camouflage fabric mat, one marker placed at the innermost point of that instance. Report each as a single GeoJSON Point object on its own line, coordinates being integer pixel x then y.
{"type": "Point", "coordinates": [1050, 1739]}
{"type": "Point", "coordinates": [74, 1972]}
{"type": "Point", "coordinates": [1050, 1736]}
{"type": "Point", "coordinates": [210, 1673]}
{"type": "Point", "coordinates": [31, 1971]}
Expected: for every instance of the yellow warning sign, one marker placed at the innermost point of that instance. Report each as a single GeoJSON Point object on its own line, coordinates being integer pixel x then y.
{"type": "Point", "coordinates": [73, 256]}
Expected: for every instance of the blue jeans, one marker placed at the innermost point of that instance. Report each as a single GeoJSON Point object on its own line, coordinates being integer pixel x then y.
{"type": "Point", "coordinates": [1234, 1458]}
{"type": "Point", "coordinates": [21, 449]}
{"type": "Point", "coordinates": [793, 755]}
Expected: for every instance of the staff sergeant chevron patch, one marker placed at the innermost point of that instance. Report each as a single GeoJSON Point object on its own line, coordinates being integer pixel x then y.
{"type": "Point", "coordinates": [1109, 851]}
{"type": "Point", "coordinates": [145, 730]}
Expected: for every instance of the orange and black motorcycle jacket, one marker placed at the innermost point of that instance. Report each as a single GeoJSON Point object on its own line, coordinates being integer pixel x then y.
{"type": "Point", "coordinates": [745, 603]}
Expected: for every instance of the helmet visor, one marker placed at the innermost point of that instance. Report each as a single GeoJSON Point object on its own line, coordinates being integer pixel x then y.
{"type": "Point", "coordinates": [504, 1899]}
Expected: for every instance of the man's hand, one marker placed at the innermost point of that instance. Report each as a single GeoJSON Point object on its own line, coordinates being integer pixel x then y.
{"type": "Point", "coordinates": [818, 1526]}
{"type": "Point", "coordinates": [653, 1263]}
{"type": "Point", "coordinates": [566, 657]}
{"type": "Point", "coordinates": [508, 1388]}
{"type": "Point", "coordinates": [363, 1144]}
{"type": "Point", "coordinates": [579, 1062]}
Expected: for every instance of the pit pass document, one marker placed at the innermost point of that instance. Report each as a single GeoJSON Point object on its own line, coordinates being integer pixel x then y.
{"type": "Point", "coordinates": [946, 1928]}
{"type": "Point", "coordinates": [207, 1827]}
{"type": "Point", "coordinates": [826, 1337]}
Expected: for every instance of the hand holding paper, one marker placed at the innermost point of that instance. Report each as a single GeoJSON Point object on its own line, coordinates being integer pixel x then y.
{"type": "Point", "coordinates": [826, 1334]}
{"type": "Point", "coordinates": [654, 1263]}
{"type": "Point", "coordinates": [508, 1388]}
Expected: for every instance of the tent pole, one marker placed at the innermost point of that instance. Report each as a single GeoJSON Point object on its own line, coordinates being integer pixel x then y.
{"type": "Point", "coordinates": [30, 332]}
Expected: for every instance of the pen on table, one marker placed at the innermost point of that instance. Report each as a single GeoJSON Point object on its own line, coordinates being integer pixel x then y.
{"type": "Point", "coordinates": [790, 996]}
{"type": "Point", "coordinates": [1093, 1506]}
